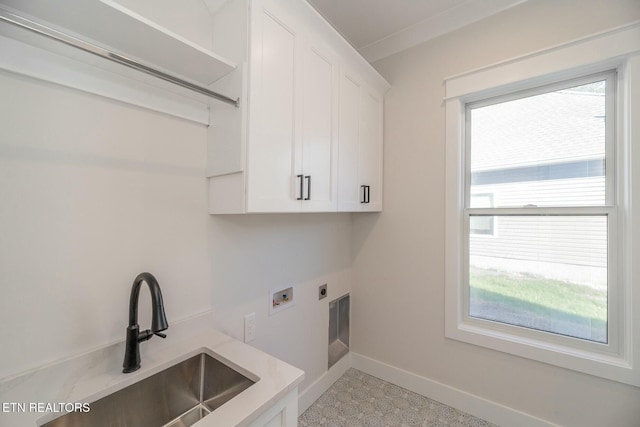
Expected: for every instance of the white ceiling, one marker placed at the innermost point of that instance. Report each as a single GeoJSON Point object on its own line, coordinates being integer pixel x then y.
{"type": "Point", "coordinates": [379, 28]}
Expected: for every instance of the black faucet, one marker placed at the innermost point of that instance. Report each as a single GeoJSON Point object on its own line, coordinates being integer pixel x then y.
{"type": "Point", "coordinates": [158, 323]}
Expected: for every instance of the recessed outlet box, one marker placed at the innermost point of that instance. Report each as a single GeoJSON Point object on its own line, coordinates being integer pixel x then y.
{"type": "Point", "coordinates": [281, 299]}
{"type": "Point", "coordinates": [322, 291]}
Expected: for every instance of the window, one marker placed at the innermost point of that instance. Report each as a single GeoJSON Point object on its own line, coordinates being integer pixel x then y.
{"type": "Point", "coordinates": [546, 151]}
{"type": "Point", "coordinates": [544, 271]}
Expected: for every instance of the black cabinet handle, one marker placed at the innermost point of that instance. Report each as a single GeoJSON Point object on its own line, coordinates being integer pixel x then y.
{"type": "Point", "coordinates": [366, 194]}
{"type": "Point", "coordinates": [300, 177]}
{"type": "Point", "coordinates": [308, 178]}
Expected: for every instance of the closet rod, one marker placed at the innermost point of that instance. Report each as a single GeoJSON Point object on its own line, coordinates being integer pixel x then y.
{"type": "Point", "coordinates": [104, 53]}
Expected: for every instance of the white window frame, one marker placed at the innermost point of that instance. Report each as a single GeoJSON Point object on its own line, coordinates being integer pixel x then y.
{"type": "Point", "coordinates": [608, 210]}
{"type": "Point", "coordinates": [618, 50]}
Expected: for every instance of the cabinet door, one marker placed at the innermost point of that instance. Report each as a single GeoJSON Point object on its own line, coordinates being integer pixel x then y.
{"type": "Point", "coordinates": [276, 421]}
{"type": "Point", "coordinates": [360, 147]}
{"type": "Point", "coordinates": [349, 198]}
{"type": "Point", "coordinates": [272, 93]}
{"type": "Point", "coordinates": [283, 413]}
{"type": "Point", "coordinates": [370, 149]}
{"type": "Point", "coordinates": [318, 131]}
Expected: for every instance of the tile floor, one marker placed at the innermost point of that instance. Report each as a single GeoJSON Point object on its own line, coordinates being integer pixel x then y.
{"type": "Point", "coordinates": [360, 400]}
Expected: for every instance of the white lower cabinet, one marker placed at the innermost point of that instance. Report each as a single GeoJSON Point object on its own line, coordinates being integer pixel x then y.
{"type": "Point", "coordinates": [283, 413]}
{"type": "Point", "coordinates": [281, 147]}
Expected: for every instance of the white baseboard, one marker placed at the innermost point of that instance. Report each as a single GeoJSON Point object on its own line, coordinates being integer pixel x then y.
{"type": "Point", "coordinates": [322, 384]}
{"type": "Point", "coordinates": [467, 402]}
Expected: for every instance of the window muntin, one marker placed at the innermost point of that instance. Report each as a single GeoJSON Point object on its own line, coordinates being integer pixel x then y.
{"type": "Point", "coordinates": [549, 153]}
{"type": "Point", "coordinates": [482, 225]}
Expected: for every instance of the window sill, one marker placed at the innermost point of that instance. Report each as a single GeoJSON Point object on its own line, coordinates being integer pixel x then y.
{"type": "Point", "coordinates": [525, 344]}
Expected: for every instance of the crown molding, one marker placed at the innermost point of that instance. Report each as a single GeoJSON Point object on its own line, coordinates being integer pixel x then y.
{"type": "Point", "coordinates": [452, 19]}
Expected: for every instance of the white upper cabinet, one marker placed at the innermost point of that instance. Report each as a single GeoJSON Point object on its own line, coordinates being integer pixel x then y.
{"type": "Point", "coordinates": [273, 94]}
{"type": "Point", "coordinates": [370, 149]}
{"type": "Point", "coordinates": [293, 90]}
{"type": "Point", "coordinates": [318, 135]}
{"type": "Point", "coordinates": [360, 147]}
{"type": "Point", "coordinates": [349, 188]}
{"type": "Point", "coordinates": [280, 152]}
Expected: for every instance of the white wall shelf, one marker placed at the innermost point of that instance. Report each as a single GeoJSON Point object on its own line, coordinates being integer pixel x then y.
{"type": "Point", "coordinates": [111, 25]}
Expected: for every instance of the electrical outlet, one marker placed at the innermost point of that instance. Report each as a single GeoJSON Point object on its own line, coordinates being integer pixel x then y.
{"type": "Point", "coordinates": [322, 291]}
{"type": "Point", "coordinates": [249, 327]}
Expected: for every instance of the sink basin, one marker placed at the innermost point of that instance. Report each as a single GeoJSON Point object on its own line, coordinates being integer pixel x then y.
{"type": "Point", "coordinates": [178, 396]}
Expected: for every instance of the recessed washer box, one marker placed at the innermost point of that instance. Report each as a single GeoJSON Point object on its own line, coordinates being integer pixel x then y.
{"type": "Point", "coordinates": [281, 299]}
{"type": "Point", "coordinates": [339, 328]}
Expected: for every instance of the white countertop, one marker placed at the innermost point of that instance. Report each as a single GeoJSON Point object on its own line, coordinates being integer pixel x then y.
{"type": "Point", "coordinates": [89, 377]}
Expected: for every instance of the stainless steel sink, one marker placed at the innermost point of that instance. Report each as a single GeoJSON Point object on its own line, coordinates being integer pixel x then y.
{"type": "Point", "coordinates": [178, 396]}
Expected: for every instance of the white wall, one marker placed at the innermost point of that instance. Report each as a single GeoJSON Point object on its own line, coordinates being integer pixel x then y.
{"type": "Point", "coordinates": [398, 270]}
{"type": "Point", "coordinates": [255, 253]}
{"type": "Point", "coordinates": [94, 192]}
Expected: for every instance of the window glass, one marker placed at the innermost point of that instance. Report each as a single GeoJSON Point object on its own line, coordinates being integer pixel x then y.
{"type": "Point", "coordinates": [543, 272]}
{"type": "Point", "coordinates": [546, 270]}
{"type": "Point", "coordinates": [542, 150]}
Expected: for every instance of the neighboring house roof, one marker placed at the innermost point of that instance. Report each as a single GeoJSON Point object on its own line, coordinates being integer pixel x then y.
{"type": "Point", "coordinates": [549, 128]}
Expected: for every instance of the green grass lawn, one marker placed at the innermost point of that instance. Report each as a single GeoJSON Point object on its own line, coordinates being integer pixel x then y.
{"type": "Point", "coordinates": [561, 307]}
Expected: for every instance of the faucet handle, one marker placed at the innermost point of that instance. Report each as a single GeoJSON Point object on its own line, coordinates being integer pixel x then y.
{"type": "Point", "coordinates": [144, 335]}
{"type": "Point", "coordinates": [160, 334]}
